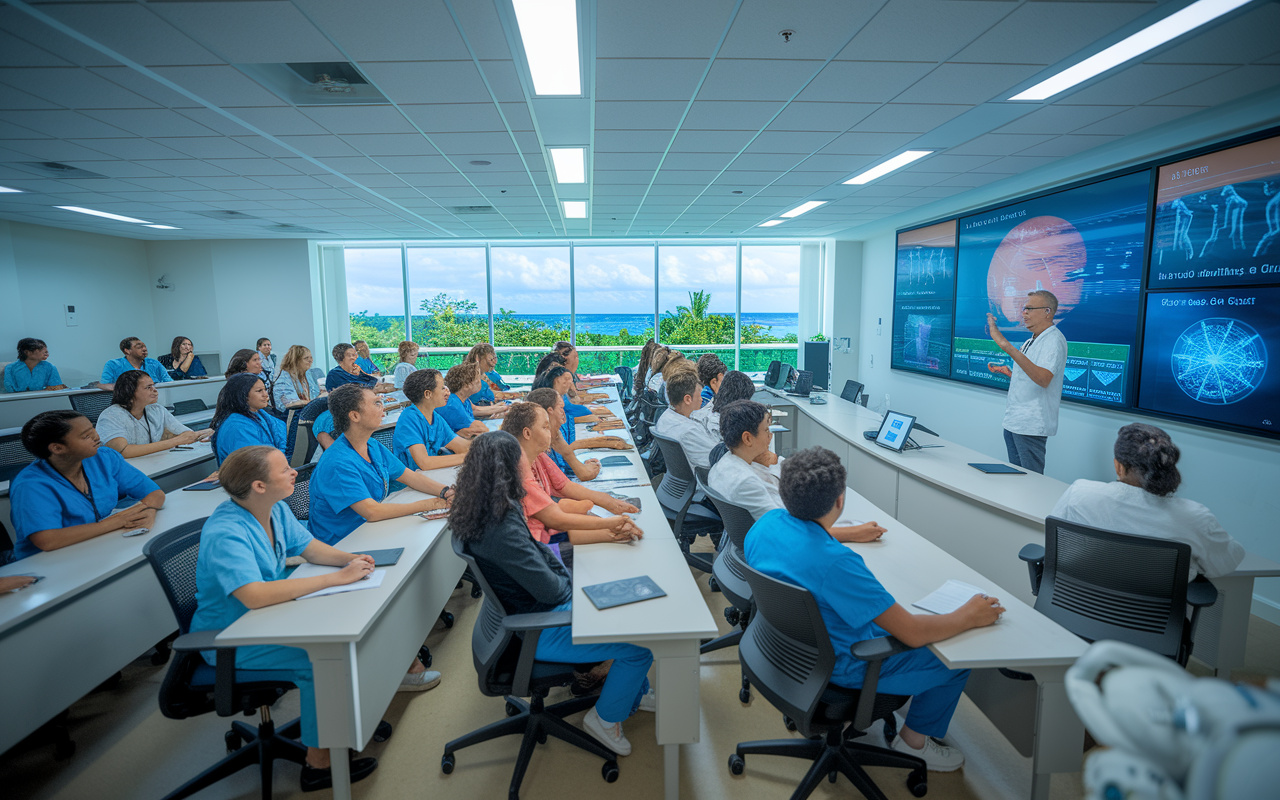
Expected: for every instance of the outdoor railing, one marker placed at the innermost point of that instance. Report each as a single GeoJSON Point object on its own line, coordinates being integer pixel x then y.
{"type": "Point", "coordinates": [594, 360]}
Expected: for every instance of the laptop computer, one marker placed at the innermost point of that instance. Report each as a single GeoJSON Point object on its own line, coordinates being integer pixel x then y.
{"type": "Point", "coordinates": [851, 391]}
{"type": "Point", "coordinates": [804, 384]}
{"type": "Point", "coordinates": [895, 430]}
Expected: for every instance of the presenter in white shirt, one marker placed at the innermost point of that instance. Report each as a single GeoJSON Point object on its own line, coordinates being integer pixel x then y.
{"type": "Point", "coordinates": [1035, 381]}
{"type": "Point", "coordinates": [1140, 502]}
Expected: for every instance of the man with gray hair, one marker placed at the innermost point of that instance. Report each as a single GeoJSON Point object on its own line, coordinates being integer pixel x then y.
{"type": "Point", "coordinates": [1035, 380]}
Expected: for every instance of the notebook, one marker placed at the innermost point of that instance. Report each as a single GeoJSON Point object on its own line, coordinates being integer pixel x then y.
{"type": "Point", "coordinates": [949, 597]}
{"type": "Point", "coordinates": [620, 593]}
{"type": "Point", "coordinates": [202, 486]}
{"type": "Point", "coordinates": [615, 461]}
{"type": "Point", "coordinates": [997, 469]}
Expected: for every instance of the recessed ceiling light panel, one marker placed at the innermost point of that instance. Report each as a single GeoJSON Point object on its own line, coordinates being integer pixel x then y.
{"type": "Point", "coordinates": [164, 227]}
{"type": "Point", "coordinates": [93, 213]}
{"type": "Point", "coordinates": [771, 223]}
{"type": "Point", "coordinates": [575, 209]}
{"type": "Point", "coordinates": [549, 31]}
{"type": "Point", "coordinates": [803, 207]}
{"type": "Point", "coordinates": [570, 164]}
{"type": "Point", "coordinates": [879, 171]}
{"type": "Point", "coordinates": [7, 190]}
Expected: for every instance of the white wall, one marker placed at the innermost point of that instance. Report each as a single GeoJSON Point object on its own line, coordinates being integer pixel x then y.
{"type": "Point", "coordinates": [105, 277]}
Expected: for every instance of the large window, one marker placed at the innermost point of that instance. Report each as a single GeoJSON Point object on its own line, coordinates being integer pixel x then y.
{"type": "Point", "coordinates": [770, 305]}
{"type": "Point", "coordinates": [614, 298]}
{"type": "Point", "coordinates": [613, 304]}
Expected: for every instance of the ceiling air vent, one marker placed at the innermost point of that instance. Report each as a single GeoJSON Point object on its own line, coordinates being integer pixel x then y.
{"type": "Point", "coordinates": [315, 83]}
{"type": "Point", "coordinates": [53, 169]}
{"type": "Point", "coordinates": [464, 210]}
{"type": "Point", "coordinates": [283, 227]}
{"type": "Point", "coordinates": [225, 215]}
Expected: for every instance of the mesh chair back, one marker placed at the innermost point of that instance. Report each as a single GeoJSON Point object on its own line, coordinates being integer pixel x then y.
{"type": "Point", "coordinates": [384, 436]}
{"type": "Point", "coordinates": [1104, 585]}
{"type": "Point", "coordinates": [851, 391]}
{"type": "Point", "coordinates": [624, 391]}
{"type": "Point", "coordinates": [785, 651]}
{"type": "Point", "coordinates": [316, 375]}
{"type": "Point", "coordinates": [737, 520]}
{"type": "Point", "coordinates": [13, 456]}
{"type": "Point", "coordinates": [494, 650]}
{"type": "Point", "coordinates": [678, 486]}
{"type": "Point", "coordinates": [91, 404]}
{"type": "Point", "coordinates": [300, 501]}
{"type": "Point", "coordinates": [173, 556]}
{"type": "Point", "coordinates": [308, 416]}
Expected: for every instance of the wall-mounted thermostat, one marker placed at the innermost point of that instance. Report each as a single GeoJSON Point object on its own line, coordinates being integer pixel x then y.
{"type": "Point", "coordinates": [70, 311]}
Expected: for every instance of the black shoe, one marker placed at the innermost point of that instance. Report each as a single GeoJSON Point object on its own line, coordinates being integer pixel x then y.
{"type": "Point", "coordinates": [315, 779]}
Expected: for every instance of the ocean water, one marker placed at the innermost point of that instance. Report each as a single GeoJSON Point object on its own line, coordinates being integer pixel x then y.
{"type": "Point", "coordinates": [635, 324]}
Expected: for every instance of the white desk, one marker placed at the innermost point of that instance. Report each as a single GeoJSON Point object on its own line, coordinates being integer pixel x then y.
{"type": "Point", "coordinates": [18, 407]}
{"type": "Point", "coordinates": [984, 520]}
{"type": "Point", "coordinates": [98, 608]}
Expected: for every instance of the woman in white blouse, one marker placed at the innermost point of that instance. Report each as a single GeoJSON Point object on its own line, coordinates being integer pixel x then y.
{"type": "Point", "coordinates": [408, 363]}
{"type": "Point", "coordinates": [1140, 502]}
{"type": "Point", "coordinates": [136, 425]}
{"type": "Point", "coordinates": [292, 387]}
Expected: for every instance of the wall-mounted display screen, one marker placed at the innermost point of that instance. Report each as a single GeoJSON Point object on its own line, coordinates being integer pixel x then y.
{"type": "Point", "coordinates": [1205, 356]}
{"type": "Point", "coordinates": [924, 298]}
{"type": "Point", "coordinates": [1218, 219]}
{"type": "Point", "coordinates": [1086, 246]}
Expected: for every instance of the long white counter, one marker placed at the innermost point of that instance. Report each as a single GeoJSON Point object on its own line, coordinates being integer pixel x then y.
{"type": "Point", "coordinates": [18, 407]}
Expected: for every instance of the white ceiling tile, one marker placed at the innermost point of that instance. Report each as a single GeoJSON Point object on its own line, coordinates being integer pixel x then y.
{"type": "Point", "coordinates": [626, 161]}
{"type": "Point", "coordinates": [803, 116]}
{"type": "Point", "coordinates": [645, 79]}
{"type": "Point", "coordinates": [730, 115]}
{"type": "Point", "coordinates": [62, 124]}
{"type": "Point", "coordinates": [427, 81]}
{"type": "Point", "coordinates": [1015, 164]}
{"type": "Point", "coordinates": [253, 166]}
{"type": "Point", "coordinates": [389, 30]}
{"type": "Point", "coordinates": [151, 122]}
{"type": "Point", "coordinates": [1137, 119]}
{"type": "Point", "coordinates": [119, 169]}
{"type": "Point", "coordinates": [767, 162]}
{"type": "Point", "coordinates": [1239, 40]}
{"type": "Point", "coordinates": [207, 147]}
{"type": "Point", "coordinates": [909, 117]}
{"type": "Point", "coordinates": [321, 146]}
{"type": "Point", "coordinates": [72, 87]}
{"type": "Point", "coordinates": [1058, 119]}
{"type": "Point", "coordinates": [263, 146]}
{"type": "Point", "coordinates": [216, 122]}
{"type": "Point", "coordinates": [503, 80]}
{"type": "Point", "coordinates": [1020, 38]}
{"type": "Point", "coordinates": [223, 86]}
{"type": "Point", "coordinates": [790, 142]}
{"type": "Point", "coordinates": [863, 81]}
{"type": "Point", "coordinates": [823, 28]}
{"type": "Point", "coordinates": [355, 167]}
{"type": "Point", "coordinates": [229, 184]}
{"type": "Point", "coordinates": [186, 168]}
{"type": "Point", "coordinates": [710, 141]}
{"type": "Point", "coordinates": [476, 144]}
{"type": "Point", "coordinates": [696, 161]}
{"type": "Point", "coordinates": [998, 144]}
{"type": "Point", "coordinates": [174, 184]}
{"type": "Point", "coordinates": [391, 144]}
{"type": "Point", "coordinates": [461, 117]}
{"type": "Point", "coordinates": [837, 163]}
{"type": "Point", "coordinates": [144, 86]}
{"type": "Point", "coordinates": [745, 79]}
{"type": "Point", "coordinates": [923, 30]}
{"type": "Point", "coordinates": [660, 28]}
{"type": "Point", "coordinates": [653, 115]}
{"type": "Point", "coordinates": [11, 98]}
{"type": "Point", "coordinates": [263, 32]}
{"type": "Point", "coordinates": [1225, 87]}
{"type": "Point", "coordinates": [35, 32]}
{"type": "Point", "coordinates": [1068, 145]}
{"type": "Point", "coordinates": [1142, 83]}
{"type": "Point", "coordinates": [632, 141]}
{"type": "Point", "coordinates": [967, 83]}
{"type": "Point", "coordinates": [15, 52]}
{"type": "Point", "coordinates": [360, 119]}
{"type": "Point", "coordinates": [133, 31]}
{"type": "Point", "coordinates": [129, 149]}
{"type": "Point", "coordinates": [278, 121]}
{"type": "Point", "coordinates": [407, 165]}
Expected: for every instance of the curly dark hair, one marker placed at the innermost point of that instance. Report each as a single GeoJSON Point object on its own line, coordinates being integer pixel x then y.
{"type": "Point", "coordinates": [342, 401]}
{"type": "Point", "coordinates": [547, 362]}
{"type": "Point", "coordinates": [340, 349]}
{"type": "Point", "coordinates": [420, 382]}
{"type": "Point", "coordinates": [737, 418]}
{"type": "Point", "coordinates": [460, 376]}
{"type": "Point", "coordinates": [547, 378]}
{"type": "Point", "coordinates": [29, 345]}
{"type": "Point", "coordinates": [126, 387]}
{"type": "Point", "coordinates": [735, 386]}
{"type": "Point", "coordinates": [642, 368]}
{"type": "Point", "coordinates": [709, 366]}
{"type": "Point", "coordinates": [812, 481]}
{"type": "Point", "coordinates": [488, 485]}
{"type": "Point", "coordinates": [1150, 455]}
{"type": "Point", "coordinates": [521, 416]}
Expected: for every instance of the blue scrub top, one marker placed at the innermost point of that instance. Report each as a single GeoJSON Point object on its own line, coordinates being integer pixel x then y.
{"type": "Point", "coordinates": [340, 377]}
{"type": "Point", "coordinates": [573, 410]}
{"type": "Point", "coordinates": [118, 366]}
{"type": "Point", "coordinates": [485, 395]}
{"type": "Point", "coordinates": [412, 428]}
{"type": "Point", "coordinates": [457, 413]}
{"type": "Point", "coordinates": [234, 552]}
{"type": "Point", "coordinates": [496, 378]}
{"type": "Point", "coordinates": [367, 365]}
{"type": "Point", "coordinates": [323, 424]}
{"type": "Point", "coordinates": [849, 596]}
{"type": "Point", "coordinates": [707, 396]}
{"type": "Point", "coordinates": [43, 500]}
{"type": "Point", "coordinates": [240, 430]}
{"type": "Point", "coordinates": [17, 378]}
{"type": "Point", "coordinates": [343, 478]}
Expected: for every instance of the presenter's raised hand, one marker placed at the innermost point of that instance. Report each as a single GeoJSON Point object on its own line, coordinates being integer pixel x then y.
{"type": "Point", "coordinates": [996, 335]}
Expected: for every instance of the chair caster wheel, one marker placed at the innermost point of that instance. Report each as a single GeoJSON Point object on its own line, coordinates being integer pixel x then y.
{"type": "Point", "coordinates": [789, 722]}
{"type": "Point", "coordinates": [233, 740]}
{"type": "Point", "coordinates": [918, 783]}
{"type": "Point", "coordinates": [542, 737]}
{"type": "Point", "coordinates": [160, 657]}
{"type": "Point", "coordinates": [609, 771]}
{"type": "Point", "coordinates": [512, 709]}
{"type": "Point", "coordinates": [64, 750]}
{"type": "Point", "coordinates": [732, 615]}
{"type": "Point", "coordinates": [446, 764]}
{"type": "Point", "coordinates": [476, 591]}
{"type": "Point", "coordinates": [447, 618]}
{"type": "Point", "coordinates": [744, 695]}
{"type": "Point", "coordinates": [715, 585]}
{"type": "Point", "coordinates": [736, 764]}
{"type": "Point", "coordinates": [424, 655]}
{"type": "Point", "coordinates": [831, 776]}
{"type": "Point", "coordinates": [382, 732]}
{"type": "Point", "coordinates": [459, 586]}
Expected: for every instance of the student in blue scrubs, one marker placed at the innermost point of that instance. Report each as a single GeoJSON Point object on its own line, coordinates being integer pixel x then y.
{"type": "Point", "coordinates": [711, 371]}
{"type": "Point", "coordinates": [32, 372]}
{"type": "Point", "coordinates": [492, 387]}
{"type": "Point", "coordinates": [564, 441]}
{"type": "Point", "coordinates": [70, 492]}
{"type": "Point", "coordinates": [422, 439]}
{"type": "Point", "coordinates": [463, 381]}
{"type": "Point", "coordinates": [795, 545]}
{"type": "Point", "coordinates": [322, 429]}
{"type": "Point", "coordinates": [354, 476]}
{"type": "Point", "coordinates": [241, 419]}
{"type": "Point", "coordinates": [348, 371]}
{"type": "Point", "coordinates": [243, 547]}
{"type": "Point", "coordinates": [135, 357]}
{"type": "Point", "coordinates": [364, 360]}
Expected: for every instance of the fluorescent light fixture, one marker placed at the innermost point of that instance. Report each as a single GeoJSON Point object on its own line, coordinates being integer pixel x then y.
{"type": "Point", "coordinates": [549, 31]}
{"type": "Point", "coordinates": [1150, 37]}
{"type": "Point", "coordinates": [771, 223]}
{"type": "Point", "coordinates": [165, 227]}
{"type": "Point", "coordinates": [93, 213]}
{"type": "Point", "coordinates": [803, 207]}
{"type": "Point", "coordinates": [575, 209]}
{"type": "Point", "coordinates": [897, 162]}
{"type": "Point", "coordinates": [570, 164]}
{"type": "Point", "coordinates": [7, 190]}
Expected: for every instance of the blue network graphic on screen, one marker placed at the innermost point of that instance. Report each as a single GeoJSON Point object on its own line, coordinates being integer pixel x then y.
{"type": "Point", "coordinates": [924, 291]}
{"type": "Point", "coordinates": [1206, 354]}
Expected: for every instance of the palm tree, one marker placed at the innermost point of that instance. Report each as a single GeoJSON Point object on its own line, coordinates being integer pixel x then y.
{"type": "Point", "coordinates": [699, 302]}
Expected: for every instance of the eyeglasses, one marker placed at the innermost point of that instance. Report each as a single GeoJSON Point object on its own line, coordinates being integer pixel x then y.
{"type": "Point", "coordinates": [1035, 308]}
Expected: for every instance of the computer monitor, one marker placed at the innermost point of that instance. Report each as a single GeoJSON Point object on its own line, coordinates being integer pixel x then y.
{"type": "Point", "coordinates": [895, 430]}
{"type": "Point", "coordinates": [851, 391]}
{"type": "Point", "coordinates": [771, 376]}
{"type": "Point", "coordinates": [785, 371]}
{"type": "Point", "coordinates": [803, 385]}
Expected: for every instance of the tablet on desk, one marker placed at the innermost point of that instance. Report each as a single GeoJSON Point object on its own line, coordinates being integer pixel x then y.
{"type": "Point", "coordinates": [998, 469]}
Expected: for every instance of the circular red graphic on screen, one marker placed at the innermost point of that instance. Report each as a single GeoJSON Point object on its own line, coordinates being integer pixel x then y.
{"type": "Point", "coordinates": [1038, 254]}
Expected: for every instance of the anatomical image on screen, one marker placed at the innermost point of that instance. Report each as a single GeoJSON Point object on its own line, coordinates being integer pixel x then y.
{"type": "Point", "coordinates": [1218, 219]}
{"type": "Point", "coordinates": [1084, 245]}
{"type": "Point", "coordinates": [1206, 354]}
{"type": "Point", "coordinates": [924, 290]}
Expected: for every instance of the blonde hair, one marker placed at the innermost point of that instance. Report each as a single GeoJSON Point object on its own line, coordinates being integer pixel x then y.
{"type": "Point", "coordinates": [482, 350]}
{"type": "Point", "coordinates": [409, 353]}
{"type": "Point", "coordinates": [292, 365]}
{"type": "Point", "coordinates": [677, 363]}
{"type": "Point", "coordinates": [362, 348]}
{"type": "Point", "coordinates": [460, 376]}
{"type": "Point", "coordinates": [244, 466]}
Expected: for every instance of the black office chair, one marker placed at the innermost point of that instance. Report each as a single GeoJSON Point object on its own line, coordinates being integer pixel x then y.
{"type": "Point", "coordinates": [91, 404]}
{"type": "Point", "coordinates": [300, 501]}
{"type": "Point", "coordinates": [306, 419]}
{"type": "Point", "coordinates": [851, 391]}
{"type": "Point", "coordinates": [675, 495]}
{"type": "Point", "coordinates": [729, 571]}
{"type": "Point", "coordinates": [624, 391]}
{"type": "Point", "coordinates": [787, 654]}
{"type": "Point", "coordinates": [191, 687]}
{"type": "Point", "coordinates": [502, 649]}
{"type": "Point", "coordinates": [1104, 585]}
{"type": "Point", "coordinates": [13, 456]}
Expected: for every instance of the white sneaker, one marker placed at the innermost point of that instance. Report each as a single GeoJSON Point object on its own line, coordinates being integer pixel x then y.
{"type": "Point", "coordinates": [419, 681]}
{"type": "Point", "coordinates": [649, 702]}
{"type": "Point", "coordinates": [607, 733]}
{"type": "Point", "coordinates": [937, 757]}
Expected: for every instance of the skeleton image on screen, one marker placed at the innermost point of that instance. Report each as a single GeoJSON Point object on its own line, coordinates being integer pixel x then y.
{"type": "Point", "coordinates": [1270, 189]}
{"type": "Point", "coordinates": [1219, 361]}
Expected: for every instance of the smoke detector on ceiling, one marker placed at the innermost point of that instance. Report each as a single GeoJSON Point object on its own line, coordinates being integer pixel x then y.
{"type": "Point", "coordinates": [786, 34]}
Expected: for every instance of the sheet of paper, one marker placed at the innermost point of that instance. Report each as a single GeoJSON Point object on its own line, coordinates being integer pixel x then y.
{"type": "Point", "coordinates": [848, 523]}
{"type": "Point", "coordinates": [950, 596]}
{"type": "Point", "coordinates": [311, 570]}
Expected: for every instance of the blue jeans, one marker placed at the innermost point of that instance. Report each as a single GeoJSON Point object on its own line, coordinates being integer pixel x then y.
{"type": "Point", "coordinates": [272, 663]}
{"type": "Point", "coordinates": [1026, 451]}
{"type": "Point", "coordinates": [627, 681]}
{"type": "Point", "coordinates": [935, 690]}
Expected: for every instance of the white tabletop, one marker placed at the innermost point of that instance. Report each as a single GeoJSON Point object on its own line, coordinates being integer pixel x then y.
{"type": "Point", "coordinates": [7, 397]}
